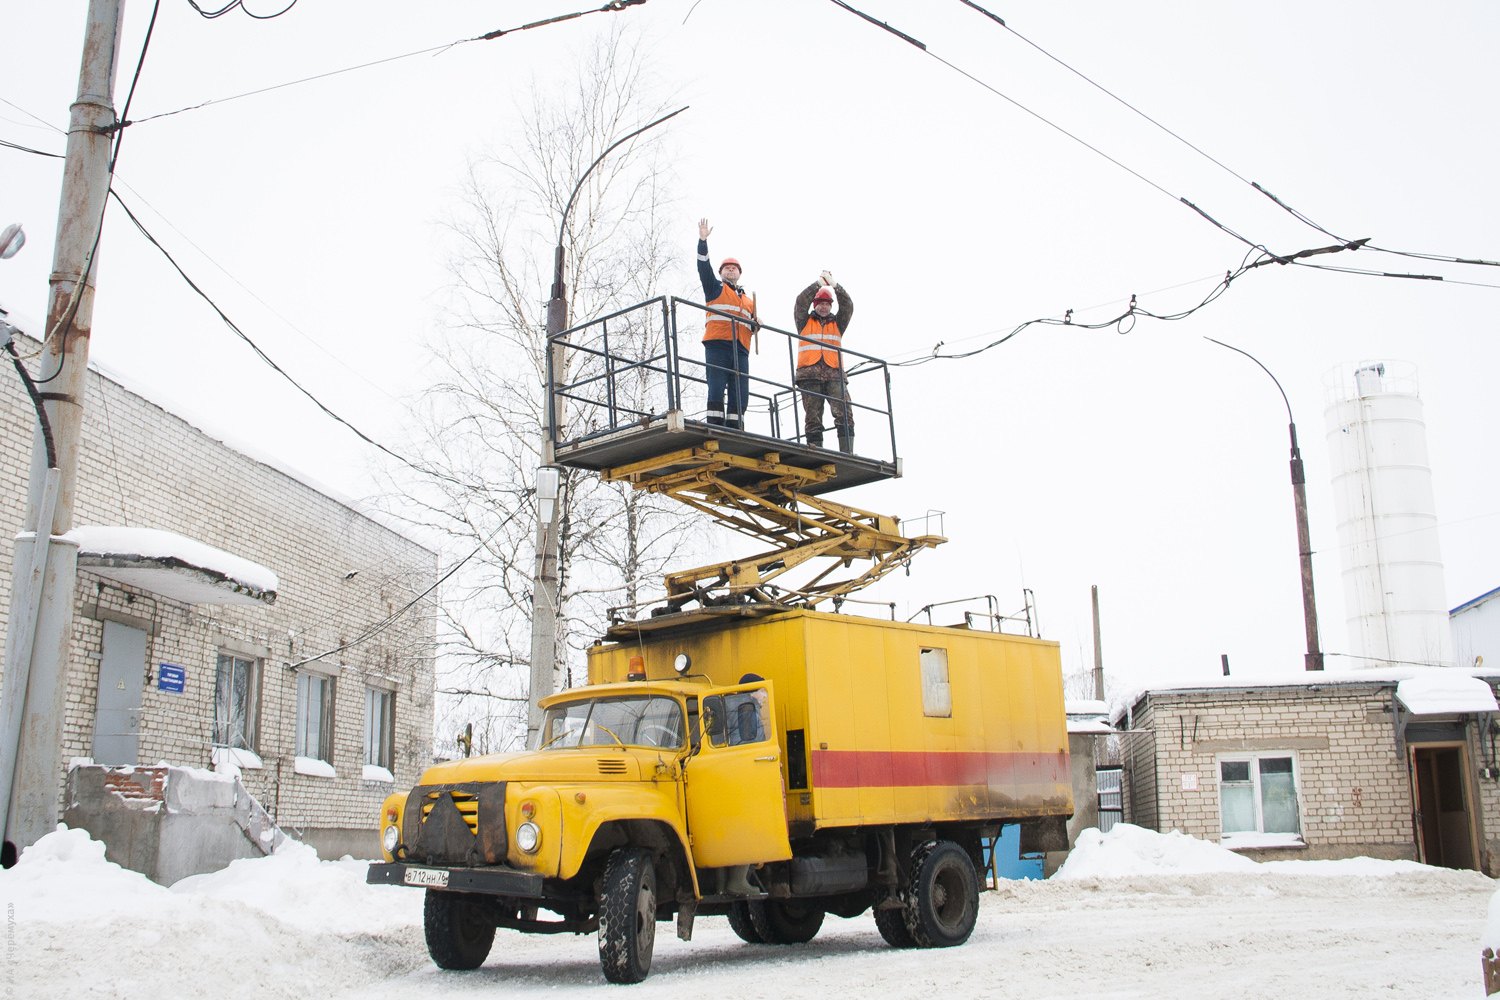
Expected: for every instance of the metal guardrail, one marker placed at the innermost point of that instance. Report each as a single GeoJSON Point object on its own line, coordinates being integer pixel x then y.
{"type": "Point", "coordinates": [642, 362]}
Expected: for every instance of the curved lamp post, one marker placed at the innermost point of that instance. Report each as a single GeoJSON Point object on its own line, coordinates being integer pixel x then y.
{"type": "Point", "coordinates": [1313, 659]}
{"type": "Point", "coordinates": [544, 591]}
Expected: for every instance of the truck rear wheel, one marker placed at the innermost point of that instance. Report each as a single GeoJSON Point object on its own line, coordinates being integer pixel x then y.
{"type": "Point", "coordinates": [892, 926]}
{"type": "Point", "coordinates": [741, 924]}
{"type": "Point", "coordinates": [942, 897]}
{"type": "Point", "coordinates": [789, 921]}
{"type": "Point", "coordinates": [459, 929]}
{"type": "Point", "coordinates": [627, 915]}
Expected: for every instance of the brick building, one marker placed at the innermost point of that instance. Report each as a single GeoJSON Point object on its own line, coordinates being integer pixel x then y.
{"type": "Point", "coordinates": [1364, 763]}
{"type": "Point", "coordinates": [197, 672]}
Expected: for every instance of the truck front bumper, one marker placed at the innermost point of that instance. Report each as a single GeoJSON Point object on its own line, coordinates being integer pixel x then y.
{"type": "Point", "coordinates": [497, 881]}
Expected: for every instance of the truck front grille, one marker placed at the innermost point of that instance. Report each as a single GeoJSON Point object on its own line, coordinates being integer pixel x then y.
{"type": "Point", "coordinates": [457, 824]}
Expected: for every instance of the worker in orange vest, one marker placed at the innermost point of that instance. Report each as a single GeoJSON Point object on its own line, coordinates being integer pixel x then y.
{"type": "Point", "coordinates": [726, 335]}
{"type": "Point", "coordinates": [820, 365]}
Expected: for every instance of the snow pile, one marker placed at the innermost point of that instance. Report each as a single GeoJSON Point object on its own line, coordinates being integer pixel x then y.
{"type": "Point", "coordinates": [65, 874]}
{"type": "Point", "coordinates": [298, 889]}
{"type": "Point", "coordinates": [1128, 850]}
{"type": "Point", "coordinates": [1491, 937]}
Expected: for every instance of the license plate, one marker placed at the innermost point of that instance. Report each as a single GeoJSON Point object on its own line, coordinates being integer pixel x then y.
{"type": "Point", "coordinates": [425, 876]}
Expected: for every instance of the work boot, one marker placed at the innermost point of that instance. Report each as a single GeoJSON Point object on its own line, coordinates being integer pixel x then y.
{"type": "Point", "coordinates": [737, 882]}
{"type": "Point", "coordinates": [735, 421]}
{"type": "Point", "coordinates": [815, 440]}
{"type": "Point", "coordinates": [846, 440]}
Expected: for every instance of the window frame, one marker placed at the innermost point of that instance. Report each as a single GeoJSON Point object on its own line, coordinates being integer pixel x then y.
{"type": "Point", "coordinates": [328, 686]}
{"type": "Point", "coordinates": [1259, 837]}
{"type": "Point", "coordinates": [220, 735]}
{"type": "Point", "coordinates": [387, 736]}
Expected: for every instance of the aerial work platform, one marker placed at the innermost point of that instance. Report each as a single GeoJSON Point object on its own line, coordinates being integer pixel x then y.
{"type": "Point", "coordinates": [628, 401]}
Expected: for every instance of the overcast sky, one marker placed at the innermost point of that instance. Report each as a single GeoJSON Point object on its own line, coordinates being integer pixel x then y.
{"type": "Point", "coordinates": [1153, 464]}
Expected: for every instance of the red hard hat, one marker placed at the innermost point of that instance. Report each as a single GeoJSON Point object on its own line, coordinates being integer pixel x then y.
{"type": "Point", "coordinates": [824, 294]}
{"type": "Point", "coordinates": [731, 260]}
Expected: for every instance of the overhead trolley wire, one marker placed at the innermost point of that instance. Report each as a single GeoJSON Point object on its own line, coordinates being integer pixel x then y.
{"type": "Point", "coordinates": [1299, 216]}
{"type": "Point", "coordinates": [613, 6]}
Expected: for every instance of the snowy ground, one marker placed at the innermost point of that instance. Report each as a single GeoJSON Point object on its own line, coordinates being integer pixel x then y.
{"type": "Point", "coordinates": [1133, 915]}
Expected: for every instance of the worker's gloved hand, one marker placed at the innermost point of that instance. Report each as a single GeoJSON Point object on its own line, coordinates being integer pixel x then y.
{"type": "Point", "coordinates": [826, 277]}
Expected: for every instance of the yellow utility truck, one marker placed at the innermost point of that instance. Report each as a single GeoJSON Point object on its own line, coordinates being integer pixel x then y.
{"type": "Point", "coordinates": [771, 766]}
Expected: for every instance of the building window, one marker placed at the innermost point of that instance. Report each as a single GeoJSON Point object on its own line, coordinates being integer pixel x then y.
{"type": "Point", "coordinates": [380, 728]}
{"type": "Point", "coordinates": [315, 716]}
{"type": "Point", "coordinates": [937, 695]}
{"type": "Point", "coordinates": [1258, 800]}
{"type": "Point", "coordinates": [236, 685]}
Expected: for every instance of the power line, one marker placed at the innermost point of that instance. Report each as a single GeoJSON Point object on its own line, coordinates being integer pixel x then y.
{"type": "Point", "coordinates": [613, 6]}
{"type": "Point", "coordinates": [373, 630]}
{"type": "Point", "coordinates": [266, 358]}
{"type": "Point", "coordinates": [210, 15]}
{"type": "Point", "coordinates": [1299, 216]}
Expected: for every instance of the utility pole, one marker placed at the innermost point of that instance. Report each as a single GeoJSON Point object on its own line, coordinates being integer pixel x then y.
{"type": "Point", "coordinates": [1098, 648]}
{"type": "Point", "coordinates": [544, 590]}
{"type": "Point", "coordinates": [41, 614]}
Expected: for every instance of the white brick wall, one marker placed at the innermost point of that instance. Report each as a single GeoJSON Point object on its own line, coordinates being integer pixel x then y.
{"type": "Point", "coordinates": [1353, 787]}
{"type": "Point", "coordinates": [144, 467]}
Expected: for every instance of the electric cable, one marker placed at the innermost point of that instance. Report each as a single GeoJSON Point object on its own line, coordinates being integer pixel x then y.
{"type": "Point", "coordinates": [613, 6]}
{"type": "Point", "coordinates": [266, 358]}
{"type": "Point", "coordinates": [1299, 216]}
{"type": "Point", "coordinates": [210, 15]}
{"type": "Point", "coordinates": [75, 299]}
{"type": "Point", "coordinates": [380, 626]}
{"type": "Point", "coordinates": [27, 149]}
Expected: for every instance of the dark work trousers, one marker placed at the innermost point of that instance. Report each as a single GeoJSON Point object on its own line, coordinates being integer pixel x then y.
{"type": "Point", "coordinates": [728, 381]}
{"type": "Point", "coordinates": [818, 383]}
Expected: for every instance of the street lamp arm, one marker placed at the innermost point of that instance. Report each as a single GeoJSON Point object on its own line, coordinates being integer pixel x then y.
{"type": "Point", "coordinates": [609, 149]}
{"type": "Point", "coordinates": [1263, 368]}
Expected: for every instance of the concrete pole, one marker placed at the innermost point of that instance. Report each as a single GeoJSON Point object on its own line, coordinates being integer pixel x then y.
{"type": "Point", "coordinates": [545, 586]}
{"type": "Point", "coordinates": [1098, 649]}
{"type": "Point", "coordinates": [1313, 658]}
{"type": "Point", "coordinates": [36, 765]}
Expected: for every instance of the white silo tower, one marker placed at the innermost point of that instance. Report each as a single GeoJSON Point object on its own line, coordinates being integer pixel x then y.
{"type": "Point", "coordinates": [1387, 521]}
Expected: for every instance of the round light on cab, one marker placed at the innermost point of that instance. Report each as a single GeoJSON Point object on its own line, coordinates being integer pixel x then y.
{"type": "Point", "coordinates": [682, 663]}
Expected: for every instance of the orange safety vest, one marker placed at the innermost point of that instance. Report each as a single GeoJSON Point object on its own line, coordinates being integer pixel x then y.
{"type": "Point", "coordinates": [719, 327]}
{"type": "Point", "coordinates": [822, 343]}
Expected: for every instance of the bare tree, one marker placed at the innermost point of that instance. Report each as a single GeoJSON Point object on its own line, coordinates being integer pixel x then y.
{"type": "Point", "coordinates": [480, 426]}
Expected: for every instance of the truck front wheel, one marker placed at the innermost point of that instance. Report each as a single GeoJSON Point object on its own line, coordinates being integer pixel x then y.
{"type": "Point", "coordinates": [627, 915]}
{"type": "Point", "coordinates": [459, 929]}
{"type": "Point", "coordinates": [942, 897]}
{"type": "Point", "coordinates": [785, 922]}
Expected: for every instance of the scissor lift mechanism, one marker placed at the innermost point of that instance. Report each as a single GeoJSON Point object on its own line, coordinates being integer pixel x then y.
{"type": "Point", "coordinates": [769, 485]}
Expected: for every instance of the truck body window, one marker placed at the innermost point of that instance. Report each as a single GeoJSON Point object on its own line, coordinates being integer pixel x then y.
{"type": "Point", "coordinates": [937, 695]}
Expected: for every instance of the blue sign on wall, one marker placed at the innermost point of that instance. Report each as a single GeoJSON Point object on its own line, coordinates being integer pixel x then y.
{"type": "Point", "coordinates": [170, 678]}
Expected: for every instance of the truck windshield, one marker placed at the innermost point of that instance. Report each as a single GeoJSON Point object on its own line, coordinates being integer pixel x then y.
{"type": "Point", "coordinates": [648, 721]}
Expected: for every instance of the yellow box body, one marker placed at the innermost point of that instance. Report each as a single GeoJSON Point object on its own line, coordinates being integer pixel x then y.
{"type": "Point", "coordinates": [863, 739]}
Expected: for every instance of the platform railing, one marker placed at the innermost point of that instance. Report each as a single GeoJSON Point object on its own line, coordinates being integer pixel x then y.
{"type": "Point", "coordinates": [640, 363]}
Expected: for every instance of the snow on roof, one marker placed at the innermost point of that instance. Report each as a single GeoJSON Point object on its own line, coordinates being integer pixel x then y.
{"type": "Point", "coordinates": [1086, 706]}
{"type": "Point", "coordinates": [1388, 677]}
{"type": "Point", "coordinates": [172, 565]}
{"type": "Point", "coordinates": [1444, 692]}
{"type": "Point", "coordinates": [22, 323]}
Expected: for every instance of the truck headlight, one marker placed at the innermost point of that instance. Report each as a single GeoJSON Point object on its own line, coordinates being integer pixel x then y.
{"type": "Point", "coordinates": [391, 838]}
{"type": "Point", "coordinates": [528, 837]}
